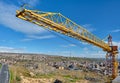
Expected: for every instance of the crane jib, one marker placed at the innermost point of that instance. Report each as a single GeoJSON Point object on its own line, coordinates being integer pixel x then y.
{"type": "Point", "coordinates": [61, 24]}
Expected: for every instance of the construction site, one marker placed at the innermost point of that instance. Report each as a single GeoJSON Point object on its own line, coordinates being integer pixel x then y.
{"type": "Point", "coordinates": [41, 68]}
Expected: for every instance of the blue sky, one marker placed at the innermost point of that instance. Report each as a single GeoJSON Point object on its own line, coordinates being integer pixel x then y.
{"type": "Point", "coordinates": [101, 17]}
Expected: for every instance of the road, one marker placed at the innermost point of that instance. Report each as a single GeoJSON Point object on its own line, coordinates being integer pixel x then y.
{"type": "Point", "coordinates": [4, 74]}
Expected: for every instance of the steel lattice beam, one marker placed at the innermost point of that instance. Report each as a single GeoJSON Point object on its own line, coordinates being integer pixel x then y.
{"type": "Point", "coordinates": [61, 24]}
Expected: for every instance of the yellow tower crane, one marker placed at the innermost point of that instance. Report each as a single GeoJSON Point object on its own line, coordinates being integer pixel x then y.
{"type": "Point", "coordinates": [61, 24]}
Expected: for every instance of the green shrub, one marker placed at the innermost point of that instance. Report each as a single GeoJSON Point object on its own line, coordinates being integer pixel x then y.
{"type": "Point", "coordinates": [18, 78]}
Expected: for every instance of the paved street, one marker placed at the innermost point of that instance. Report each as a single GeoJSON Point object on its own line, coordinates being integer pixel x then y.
{"type": "Point", "coordinates": [4, 74]}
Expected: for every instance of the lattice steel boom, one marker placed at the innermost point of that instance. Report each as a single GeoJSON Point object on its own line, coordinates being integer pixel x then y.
{"type": "Point", "coordinates": [59, 23]}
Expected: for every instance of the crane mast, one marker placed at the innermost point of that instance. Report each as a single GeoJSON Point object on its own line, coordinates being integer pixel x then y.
{"type": "Point", "coordinates": [61, 24]}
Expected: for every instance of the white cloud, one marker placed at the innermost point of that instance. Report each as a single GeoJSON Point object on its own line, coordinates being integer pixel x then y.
{"type": "Point", "coordinates": [31, 2]}
{"type": "Point", "coordinates": [41, 37]}
{"type": "Point", "coordinates": [116, 31]}
{"type": "Point", "coordinates": [11, 49]}
{"type": "Point", "coordinates": [85, 49]}
{"type": "Point", "coordinates": [8, 19]}
{"type": "Point", "coordinates": [93, 55]}
{"type": "Point", "coordinates": [98, 55]}
{"type": "Point", "coordinates": [72, 45]}
{"type": "Point", "coordinates": [26, 39]}
{"type": "Point", "coordinates": [34, 37]}
{"type": "Point", "coordinates": [69, 45]}
{"type": "Point", "coordinates": [64, 46]}
{"type": "Point", "coordinates": [83, 43]}
{"type": "Point", "coordinates": [117, 44]}
{"type": "Point", "coordinates": [89, 27]}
